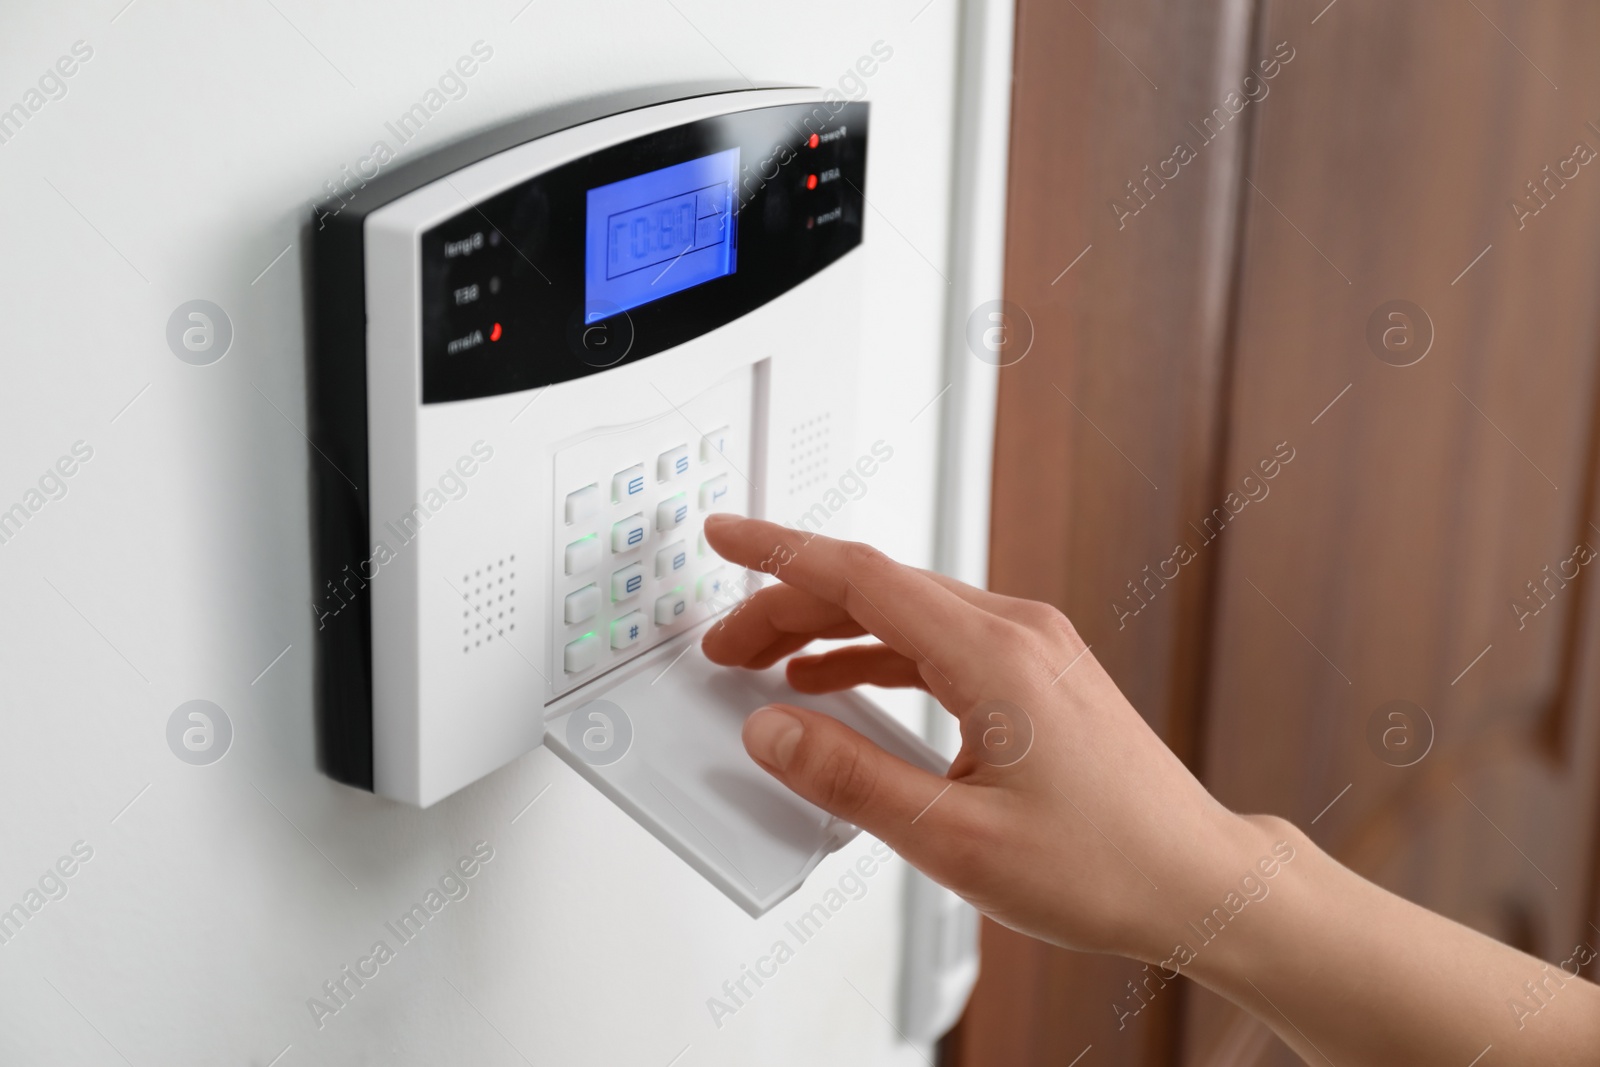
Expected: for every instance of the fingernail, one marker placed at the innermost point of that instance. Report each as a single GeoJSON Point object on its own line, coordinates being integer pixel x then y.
{"type": "Point", "coordinates": [771, 735]}
{"type": "Point", "coordinates": [720, 518]}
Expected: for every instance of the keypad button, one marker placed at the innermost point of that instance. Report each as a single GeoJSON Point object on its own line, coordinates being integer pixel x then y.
{"type": "Point", "coordinates": [581, 654]}
{"type": "Point", "coordinates": [628, 534]}
{"type": "Point", "coordinates": [671, 608]}
{"type": "Point", "coordinates": [583, 555]}
{"type": "Point", "coordinates": [713, 585]}
{"type": "Point", "coordinates": [713, 492]}
{"type": "Point", "coordinates": [672, 512]}
{"type": "Point", "coordinates": [703, 547]}
{"type": "Point", "coordinates": [581, 605]}
{"type": "Point", "coordinates": [713, 444]}
{"type": "Point", "coordinates": [671, 559]}
{"type": "Point", "coordinates": [583, 504]}
{"type": "Point", "coordinates": [628, 484]}
{"type": "Point", "coordinates": [671, 463]}
{"type": "Point", "coordinates": [627, 630]}
{"type": "Point", "coordinates": [627, 582]}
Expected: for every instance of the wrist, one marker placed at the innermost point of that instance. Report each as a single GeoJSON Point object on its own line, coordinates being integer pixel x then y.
{"type": "Point", "coordinates": [1222, 915]}
{"type": "Point", "coordinates": [1263, 898]}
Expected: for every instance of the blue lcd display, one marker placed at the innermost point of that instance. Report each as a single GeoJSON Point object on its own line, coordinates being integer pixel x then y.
{"type": "Point", "coordinates": [659, 233]}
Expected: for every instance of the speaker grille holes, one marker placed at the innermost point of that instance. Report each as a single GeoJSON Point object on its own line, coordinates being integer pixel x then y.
{"type": "Point", "coordinates": [485, 613]}
{"type": "Point", "coordinates": [809, 444]}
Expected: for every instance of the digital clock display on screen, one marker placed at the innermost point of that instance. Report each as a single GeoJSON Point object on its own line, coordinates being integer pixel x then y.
{"type": "Point", "coordinates": [659, 233]}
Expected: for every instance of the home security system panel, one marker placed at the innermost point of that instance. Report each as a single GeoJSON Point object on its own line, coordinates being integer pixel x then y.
{"type": "Point", "coordinates": [540, 362]}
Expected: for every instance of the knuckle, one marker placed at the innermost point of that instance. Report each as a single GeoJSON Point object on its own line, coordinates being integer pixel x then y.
{"type": "Point", "coordinates": [1037, 657]}
{"type": "Point", "coordinates": [1048, 621]}
{"type": "Point", "coordinates": [862, 558]}
{"type": "Point", "coordinates": [844, 780]}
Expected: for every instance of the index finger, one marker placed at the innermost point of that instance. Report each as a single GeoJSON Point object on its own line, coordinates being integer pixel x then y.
{"type": "Point", "coordinates": [901, 606]}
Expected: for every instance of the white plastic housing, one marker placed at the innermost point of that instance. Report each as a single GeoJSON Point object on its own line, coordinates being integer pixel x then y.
{"type": "Point", "coordinates": [447, 711]}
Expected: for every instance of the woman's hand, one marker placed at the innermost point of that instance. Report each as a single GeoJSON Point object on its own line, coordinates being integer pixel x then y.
{"type": "Point", "coordinates": [1064, 816]}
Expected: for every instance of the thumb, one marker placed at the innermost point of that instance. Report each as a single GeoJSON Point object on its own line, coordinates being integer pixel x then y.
{"type": "Point", "coordinates": [843, 773]}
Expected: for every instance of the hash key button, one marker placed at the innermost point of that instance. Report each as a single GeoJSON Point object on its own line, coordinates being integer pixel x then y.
{"type": "Point", "coordinates": [626, 631]}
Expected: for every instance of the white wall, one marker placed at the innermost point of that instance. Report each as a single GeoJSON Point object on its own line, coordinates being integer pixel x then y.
{"type": "Point", "coordinates": [179, 163]}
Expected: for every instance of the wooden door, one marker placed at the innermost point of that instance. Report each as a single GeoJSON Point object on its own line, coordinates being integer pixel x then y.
{"type": "Point", "coordinates": [1347, 280]}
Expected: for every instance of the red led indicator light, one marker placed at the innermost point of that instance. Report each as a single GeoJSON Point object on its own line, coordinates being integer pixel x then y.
{"type": "Point", "coordinates": [814, 141]}
{"type": "Point", "coordinates": [494, 334]}
{"type": "Point", "coordinates": [811, 181]}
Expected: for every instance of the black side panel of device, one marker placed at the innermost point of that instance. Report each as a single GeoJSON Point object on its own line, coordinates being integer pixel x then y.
{"type": "Point", "coordinates": [337, 383]}
{"type": "Point", "coordinates": [336, 379]}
